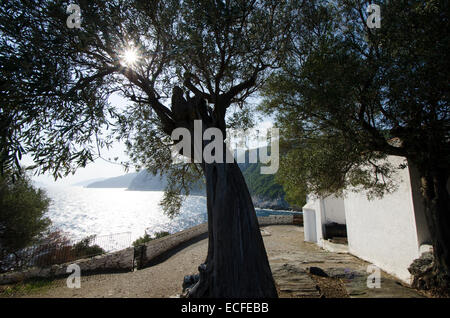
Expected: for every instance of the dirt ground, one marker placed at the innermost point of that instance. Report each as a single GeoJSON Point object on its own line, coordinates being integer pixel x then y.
{"type": "Point", "coordinates": [290, 259]}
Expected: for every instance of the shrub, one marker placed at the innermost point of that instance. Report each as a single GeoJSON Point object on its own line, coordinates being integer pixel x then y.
{"type": "Point", "coordinates": [22, 218]}
{"type": "Point", "coordinates": [147, 238]}
{"type": "Point", "coordinates": [58, 250]}
{"type": "Point", "coordinates": [84, 248]}
{"type": "Point", "coordinates": [25, 238]}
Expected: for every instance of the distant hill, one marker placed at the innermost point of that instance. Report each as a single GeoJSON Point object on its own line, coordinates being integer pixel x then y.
{"type": "Point", "coordinates": [146, 181]}
{"type": "Point", "coordinates": [87, 182]}
{"type": "Point", "coordinates": [116, 182]}
{"type": "Point", "coordinates": [265, 191]}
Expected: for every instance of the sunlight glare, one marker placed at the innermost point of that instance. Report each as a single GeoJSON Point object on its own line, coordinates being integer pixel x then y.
{"type": "Point", "coordinates": [130, 57]}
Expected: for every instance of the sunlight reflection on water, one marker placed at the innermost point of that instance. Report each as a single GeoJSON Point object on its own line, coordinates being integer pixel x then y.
{"type": "Point", "coordinates": [85, 211]}
{"type": "Point", "coordinates": [81, 212]}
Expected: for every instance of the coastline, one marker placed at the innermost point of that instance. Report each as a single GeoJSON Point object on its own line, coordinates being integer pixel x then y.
{"type": "Point", "coordinates": [259, 203]}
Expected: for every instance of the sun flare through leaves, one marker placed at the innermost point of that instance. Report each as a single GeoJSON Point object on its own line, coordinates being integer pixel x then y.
{"type": "Point", "coordinates": [129, 57]}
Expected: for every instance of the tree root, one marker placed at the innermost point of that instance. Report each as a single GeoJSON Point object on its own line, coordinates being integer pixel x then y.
{"type": "Point", "coordinates": [199, 284]}
{"type": "Point", "coordinates": [427, 277]}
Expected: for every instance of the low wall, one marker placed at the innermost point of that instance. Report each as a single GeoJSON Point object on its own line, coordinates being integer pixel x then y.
{"type": "Point", "coordinates": [276, 220]}
{"type": "Point", "coordinates": [125, 260]}
{"type": "Point", "coordinates": [157, 247]}
{"type": "Point", "coordinates": [112, 262]}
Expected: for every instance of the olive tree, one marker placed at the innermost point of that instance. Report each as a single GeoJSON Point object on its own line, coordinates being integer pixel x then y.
{"type": "Point", "coordinates": [349, 95]}
{"type": "Point", "coordinates": [176, 62]}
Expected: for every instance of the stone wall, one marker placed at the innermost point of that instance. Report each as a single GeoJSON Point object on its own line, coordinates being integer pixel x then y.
{"type": "Point", "coordinates": [275, 220]}
{"type": "Point", "coordinates": [125, 260]}
{"type": "Point", "coordinates": [157, 247]}
{"type": "Point", "coordinates": [112, 262]}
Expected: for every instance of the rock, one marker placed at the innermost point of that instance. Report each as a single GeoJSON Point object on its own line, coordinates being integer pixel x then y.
{"type": "Point", "coordinates": [270, 203]}
{"type": "Point", "coordinates": [317, 271]}
{"type": "Point", "coordinates": [420, 269]}
{"type": "Point", "coordinates": [293, 281]}
{"type": "Point", "coordinates": [189, 281]}
{"type": "Point", "coordinates": [425, 248]}
{"type": "Point", "coordinates": [421, 265]}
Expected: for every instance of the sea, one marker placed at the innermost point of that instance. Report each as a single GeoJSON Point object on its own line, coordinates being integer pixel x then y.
{"type": "Point", "coordinates": [117, 216]}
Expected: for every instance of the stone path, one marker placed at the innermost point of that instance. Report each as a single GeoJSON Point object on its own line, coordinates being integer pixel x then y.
{"type": "Point", "coordinates": [294, 281]}
{"type": "Point", "coordinates": [290, 259]}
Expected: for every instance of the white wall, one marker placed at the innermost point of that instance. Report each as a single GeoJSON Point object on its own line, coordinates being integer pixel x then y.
{"type": "Point", "coordinates": [423, 232]}
{"type": "Point", "coordinates": [328, 210]}
{"type": "Point", "coordinates": [387, 232]}
{"type": "Point", "coordinates": [383, 231]}
{"type": "Point", "coordinates": [312, 220]}
{"type": "Point", "coordinates": [334, 210]}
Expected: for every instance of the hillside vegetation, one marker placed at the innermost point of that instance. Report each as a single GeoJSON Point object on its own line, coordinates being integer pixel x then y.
{"type": "Point", "coordinates": [266, 192]}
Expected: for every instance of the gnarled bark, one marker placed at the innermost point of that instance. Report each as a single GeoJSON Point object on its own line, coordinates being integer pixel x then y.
{"type": "Point", "coordinates": [237, 264]}
{"type": "Point", "coordinates": [437, 205]}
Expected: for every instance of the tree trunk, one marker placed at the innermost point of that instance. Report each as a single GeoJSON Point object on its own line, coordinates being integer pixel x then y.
{"type": "Point", "coordinates": [437, 208]}
{"type": "Point", "coordinates": [237, 264]}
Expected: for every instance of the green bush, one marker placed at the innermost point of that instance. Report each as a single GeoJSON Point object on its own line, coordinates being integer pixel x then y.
{"type": "Point", "coordinates": [23, 225]}
{"type": "Point", "coordinates": [147, 238]}
{"type": "Point", "coordinates": [84, 248]}
{"type": "Point", "coordinates": [264, 185]}
{"type": "Point", "coordinates": [22, 216]}
{"type": "Point", "coordinates": [58, 249]}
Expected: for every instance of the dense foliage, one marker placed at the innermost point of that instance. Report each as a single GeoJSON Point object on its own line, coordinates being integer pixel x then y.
{"type": "Point", "coordinates": [261, 184]}
{"type": "Point", "coordinates": [147, 238]}
{"type": "Point", "coordinates": [266, 186]}
{"type": "Point", "coordinates": [348, 90]}
{"type": "Point", "coordinates": [22, 215]}
{"type": "Point", "coordinates": [56, 248]}
{"type": "Point", "coordinates": [85, 248]}
{"type": "Point", "coordinates": [56, 81]}
{"type": "Point", "coordinates": [349, 96]}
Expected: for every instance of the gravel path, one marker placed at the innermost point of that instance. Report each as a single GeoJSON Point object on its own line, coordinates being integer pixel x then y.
{"type": "Point", "coordinates": [289, 256]}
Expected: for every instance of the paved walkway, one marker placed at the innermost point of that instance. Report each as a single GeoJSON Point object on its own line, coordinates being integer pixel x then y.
{"type": "Point", "coordinates": [290, 259]}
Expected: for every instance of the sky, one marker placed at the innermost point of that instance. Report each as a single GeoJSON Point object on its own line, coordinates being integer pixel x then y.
{"type": "Point", "coordinates": [101, 168]}
{"type": "Point", "coordinates": [94, 170]}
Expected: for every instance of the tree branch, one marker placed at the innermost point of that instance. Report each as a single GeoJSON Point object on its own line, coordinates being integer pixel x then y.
{"type": "Point", "coordinates": [188, 84]}
{"type": "Point", "coordinates": [164, 113]}
{"type": "Point", "coordinates": [83, 82]}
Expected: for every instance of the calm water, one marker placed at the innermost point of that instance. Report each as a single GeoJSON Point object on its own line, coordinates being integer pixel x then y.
{"type": "Point", "coordinates": [82, 211]}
